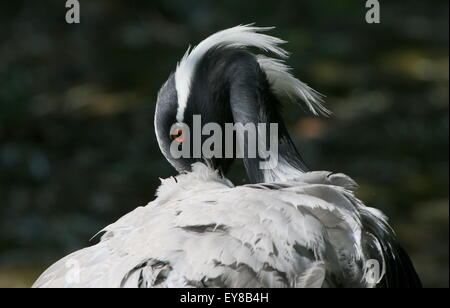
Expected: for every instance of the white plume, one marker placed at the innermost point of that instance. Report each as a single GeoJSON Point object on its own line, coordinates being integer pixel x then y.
{"type": "Point", "coordinates": [285, 85]}
{"type": "Point", "coordinates": [282, 81]}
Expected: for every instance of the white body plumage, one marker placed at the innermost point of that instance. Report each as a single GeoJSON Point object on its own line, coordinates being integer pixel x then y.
{"type": "Point", "coordinates": [201, 231]}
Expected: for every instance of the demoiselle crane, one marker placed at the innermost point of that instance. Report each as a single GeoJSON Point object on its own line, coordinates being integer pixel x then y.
{"type": "Point", "coordinates": [287, 228]}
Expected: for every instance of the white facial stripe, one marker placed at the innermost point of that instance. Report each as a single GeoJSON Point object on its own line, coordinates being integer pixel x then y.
{"type": "Point", "coordinates": [237, 37]}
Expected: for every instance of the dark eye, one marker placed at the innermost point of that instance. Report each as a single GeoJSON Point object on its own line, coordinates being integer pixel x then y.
{"type": "Point", "coordinates": [177, 135]}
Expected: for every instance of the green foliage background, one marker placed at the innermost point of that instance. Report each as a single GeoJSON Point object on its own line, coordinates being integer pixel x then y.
{"type": "Point", "coordinates": [77, 146]}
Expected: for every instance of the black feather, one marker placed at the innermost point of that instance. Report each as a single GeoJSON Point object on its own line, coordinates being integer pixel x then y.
{"type": "Point", "coordinates": [229, 86]}
{"type": "Point", "coordinates": [399, 269]}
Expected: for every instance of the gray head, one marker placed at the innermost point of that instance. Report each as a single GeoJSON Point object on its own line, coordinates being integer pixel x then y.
{"type": "Point", "coordinates": [222, 82]}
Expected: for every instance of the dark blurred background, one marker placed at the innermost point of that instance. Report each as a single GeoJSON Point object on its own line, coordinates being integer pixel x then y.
{"type": "Point", "coordinates": [77, 146]}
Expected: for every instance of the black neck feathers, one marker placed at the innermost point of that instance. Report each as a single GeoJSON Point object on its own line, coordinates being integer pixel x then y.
{"type": "Point", "coordinates": [229, 86]}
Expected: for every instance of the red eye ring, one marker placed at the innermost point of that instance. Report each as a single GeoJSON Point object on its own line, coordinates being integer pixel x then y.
{"type": "Point", "coordinates": [177, 135]}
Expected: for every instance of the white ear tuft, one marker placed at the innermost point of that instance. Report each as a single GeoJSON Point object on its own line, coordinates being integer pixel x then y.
{"type": "Point", "coordinates": [237, 37]}
{"type": "Point", "coordinates": [286, 86]}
